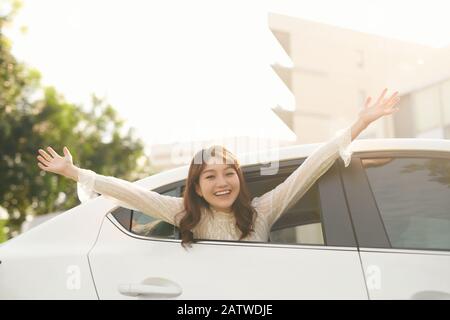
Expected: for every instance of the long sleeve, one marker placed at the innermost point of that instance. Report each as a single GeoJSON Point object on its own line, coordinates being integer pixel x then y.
{"type": "Point", "coordinates": [274, 203]}
{"type": "Point", "coordinates": [85, 184]}
{"type": "Point", "coordinates": [129, 195]}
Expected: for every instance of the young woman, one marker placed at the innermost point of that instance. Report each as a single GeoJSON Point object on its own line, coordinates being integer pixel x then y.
{"type": "Point", "coordinates": [216, 203]}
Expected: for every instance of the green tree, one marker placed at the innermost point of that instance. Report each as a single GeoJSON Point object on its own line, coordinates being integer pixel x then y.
{"type": "Point", "coordinates": [33, 117]}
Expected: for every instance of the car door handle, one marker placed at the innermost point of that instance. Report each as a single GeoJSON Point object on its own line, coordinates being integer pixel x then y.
{"type": "Point", "coordinates": [151, 287]}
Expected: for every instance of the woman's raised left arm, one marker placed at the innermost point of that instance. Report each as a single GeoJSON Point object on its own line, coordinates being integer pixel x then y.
{"type": "Point", "coordinates": [275, 202]}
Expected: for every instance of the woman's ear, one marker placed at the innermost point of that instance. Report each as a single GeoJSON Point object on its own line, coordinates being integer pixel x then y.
{"type": "Point", "coordinates": [198, 190]}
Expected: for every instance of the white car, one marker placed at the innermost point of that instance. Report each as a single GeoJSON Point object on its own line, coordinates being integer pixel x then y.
{"type": "Point", "coordinates": [378, 229]}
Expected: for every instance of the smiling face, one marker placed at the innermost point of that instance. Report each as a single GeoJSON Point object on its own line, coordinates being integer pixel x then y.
{"type": "Point", "coordinates": [219, 185]}
{"type": "Point", "coordinates": [213, 170]}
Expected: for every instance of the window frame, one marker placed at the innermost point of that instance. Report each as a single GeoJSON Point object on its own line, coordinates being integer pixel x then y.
{"type": "Point", "coordinates": [162, 189]}
{"type": "Point", "coordinates": [165, 188]}
{"type": "Point", "coordinates": [369, 226]}
{"type": "Point", "coordinates": [337, 227]}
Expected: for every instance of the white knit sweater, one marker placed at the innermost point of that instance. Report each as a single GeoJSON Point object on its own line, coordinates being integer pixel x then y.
{"type": "Point", "coordinates": [221, 225]}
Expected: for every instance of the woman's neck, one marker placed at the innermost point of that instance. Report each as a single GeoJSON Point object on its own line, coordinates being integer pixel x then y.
{"type": "Point", "coordinates": [226, 210]}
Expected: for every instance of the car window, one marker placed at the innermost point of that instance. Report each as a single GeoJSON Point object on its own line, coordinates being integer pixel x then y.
{"type": "Point", "coordinates": [413, 198]}
{"type": "Point", "coordinates": [302, 223]}
{"type": "Point", "coordinates": [145, 225]}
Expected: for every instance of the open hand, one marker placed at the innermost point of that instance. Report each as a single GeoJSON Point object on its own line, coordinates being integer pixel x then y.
{"type": "Point", "coordinates": [382, 107]}
{"type": "Point", "coordinates": [55, 163]}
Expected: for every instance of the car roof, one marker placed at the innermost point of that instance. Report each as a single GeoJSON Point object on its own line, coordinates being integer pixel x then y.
{"type": "Point", "coordinates": [372, 145]}
{"type": "Point", "coordinates": [303, 151]}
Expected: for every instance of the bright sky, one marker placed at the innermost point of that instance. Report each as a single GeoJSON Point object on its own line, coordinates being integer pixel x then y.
{"type": "Point", "coordinates": [180, 70]}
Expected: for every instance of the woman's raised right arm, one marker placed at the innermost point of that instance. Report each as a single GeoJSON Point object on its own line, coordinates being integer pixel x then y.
{"type": "Point", "coordinates": [127, 193]}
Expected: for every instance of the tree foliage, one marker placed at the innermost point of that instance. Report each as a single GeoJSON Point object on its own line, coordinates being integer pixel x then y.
{"type": "Point", "coordinates": [33, 117]}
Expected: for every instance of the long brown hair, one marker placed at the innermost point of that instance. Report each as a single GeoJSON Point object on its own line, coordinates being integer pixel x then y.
{"type": "Point", "coordinates": [244, 213]}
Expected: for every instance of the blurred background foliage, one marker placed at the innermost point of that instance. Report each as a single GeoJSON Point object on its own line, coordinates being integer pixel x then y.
{"type": "Point", "coordinates": [33, 116]}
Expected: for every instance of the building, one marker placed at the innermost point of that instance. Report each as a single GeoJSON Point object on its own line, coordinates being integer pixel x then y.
{"type": "Point", "coordinates": [335, 69]}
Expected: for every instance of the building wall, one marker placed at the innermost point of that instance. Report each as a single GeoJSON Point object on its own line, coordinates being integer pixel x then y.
{"type": "Point", "coordinates": [335, 69]}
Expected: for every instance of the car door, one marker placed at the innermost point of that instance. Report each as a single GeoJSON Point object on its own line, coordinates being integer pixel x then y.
{"type": "Point", "coordinates": [400, 205]}
{"type": "Point", "coordinates": [312, 253]}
